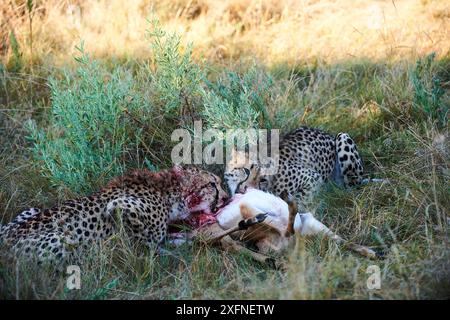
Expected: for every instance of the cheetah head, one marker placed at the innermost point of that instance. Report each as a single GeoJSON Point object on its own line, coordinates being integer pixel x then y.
{"type": "Point", "coordinates": [241, 174]}
{"type": "Point", "coordinates": [203, 194]}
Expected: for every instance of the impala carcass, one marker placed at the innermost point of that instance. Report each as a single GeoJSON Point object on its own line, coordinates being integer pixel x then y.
{"type": "Point", "coordinates": [260, 220]}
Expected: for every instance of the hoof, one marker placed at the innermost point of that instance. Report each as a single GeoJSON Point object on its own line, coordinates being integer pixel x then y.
{"type": "Point", "coordinates": [381, 253]}
{"type": "Point", "coordinates": [261, 217]}
{"type": "Point", "coordinates": [244, 224]}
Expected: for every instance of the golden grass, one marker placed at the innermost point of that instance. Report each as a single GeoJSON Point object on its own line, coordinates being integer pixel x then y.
{"type": "Point", "coordinates": [271, 31]}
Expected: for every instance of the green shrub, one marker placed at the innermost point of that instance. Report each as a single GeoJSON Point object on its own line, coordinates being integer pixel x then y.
{"type": "Point", "coordinates": [181, 89]}
{"type": "Point", "coordinates": [182, 92]}
{"type": "Point", "coordinates": [87, 135]}
{"type": "Point", "coordinates": [176, 80]}
{"type": "Point", "coordinates": [101, 119]}
{"type": "Point", "coordinates": [237, 101]}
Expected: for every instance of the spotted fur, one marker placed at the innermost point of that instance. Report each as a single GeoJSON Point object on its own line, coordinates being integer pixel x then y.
{"type": "Point", "coordinates": [148, 202]}
{"type": "Point", "coordinates": [308, 157]}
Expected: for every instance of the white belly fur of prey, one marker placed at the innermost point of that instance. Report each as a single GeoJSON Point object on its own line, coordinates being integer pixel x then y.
{"type": "Point", "coordinates": [277, 209]}
{"type": "Point", "coordinates": [260, 202]}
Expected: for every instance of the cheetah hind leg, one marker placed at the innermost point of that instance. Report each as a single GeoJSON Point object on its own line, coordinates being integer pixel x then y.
{"type": "Point", "coordinates": [19, 219]}
{"type": "Point", "coordinates": [348, 170]}
{"type": "Point", "coordinates": [349, 167]}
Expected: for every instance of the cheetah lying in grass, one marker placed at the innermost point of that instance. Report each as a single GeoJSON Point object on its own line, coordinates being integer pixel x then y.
{"type": "Point", "coordinates": [148, 202]}
{"type": "Point", "coordinates": [308, 157]}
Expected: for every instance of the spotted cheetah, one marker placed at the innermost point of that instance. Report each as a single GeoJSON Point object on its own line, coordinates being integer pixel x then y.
{"type": "Point", "coordinates": [307, 158]}
{"type": "Point", "coordinates": [148, 202]}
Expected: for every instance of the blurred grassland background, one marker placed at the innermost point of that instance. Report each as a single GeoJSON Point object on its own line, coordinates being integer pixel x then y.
{"type": "Point", "coordinates": [285, 31]}
{"type": "Point", "coordinates": [89, 89]}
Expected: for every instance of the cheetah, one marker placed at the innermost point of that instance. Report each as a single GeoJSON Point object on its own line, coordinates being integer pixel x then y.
{"type": "Point", "coordinates": [147, 202]}
{"type": "Point", "coordinates": [308, 157]}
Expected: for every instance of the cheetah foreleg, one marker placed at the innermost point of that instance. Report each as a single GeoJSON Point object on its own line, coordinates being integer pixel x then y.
{"type": "Point", "coordinates": [308, 186]}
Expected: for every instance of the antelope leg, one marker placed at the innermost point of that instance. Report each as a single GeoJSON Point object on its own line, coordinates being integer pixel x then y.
{"type": "Point", "coordinates": [293, 209]}
{"type": "Point", "coordinates": [229, 244]}
{"type": "Point", "coordinates": [242, 225]}
{"type": "Point", "coordinates": [306, 225]}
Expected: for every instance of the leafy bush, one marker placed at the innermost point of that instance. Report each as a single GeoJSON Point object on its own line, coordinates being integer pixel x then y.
{"type": "Point", "coordinates": [238, 101]}
{"type": "Point", "coordinates": [98, 117]}
{"type": "Point", "coordinates": [87, 135]}
{"type": "Point", "coordinates": [181, 88]}
{"type": "Point", "coordinates": [176, 80]}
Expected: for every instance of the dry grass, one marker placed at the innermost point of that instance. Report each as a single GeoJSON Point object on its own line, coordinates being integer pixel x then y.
{"type": "Point", "coordinates": [272, 31]}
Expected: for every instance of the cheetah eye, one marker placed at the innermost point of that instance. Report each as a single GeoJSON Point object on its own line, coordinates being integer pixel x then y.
{"type": "Point", "coordinates": [247, 172]}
